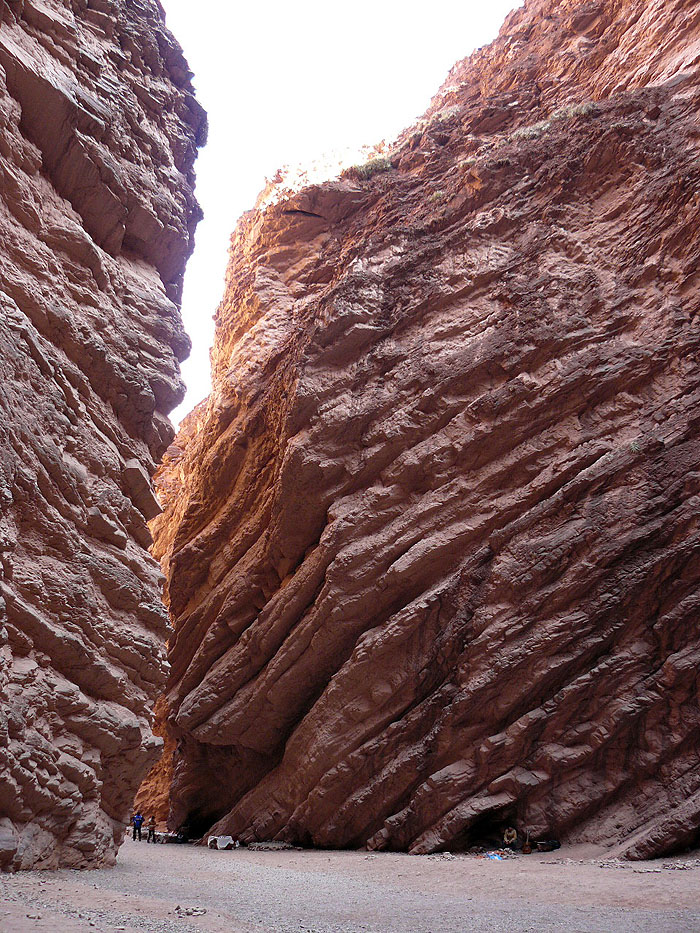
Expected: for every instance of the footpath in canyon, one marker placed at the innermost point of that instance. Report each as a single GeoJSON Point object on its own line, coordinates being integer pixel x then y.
{"type": "Point", "coordinates": [98, 135]}
{"type": "Point", "coordinates": [431, 545]}
{"type": "Point", "coordinates": [193, 890]}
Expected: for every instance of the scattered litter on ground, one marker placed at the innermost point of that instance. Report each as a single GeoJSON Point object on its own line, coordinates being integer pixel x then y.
{"type": "Point", "coordinates": [190, 911]}
{"type": "Point", "coordinates": [271, 846]}
{"type": "Point", "coordinates": [222, 842]}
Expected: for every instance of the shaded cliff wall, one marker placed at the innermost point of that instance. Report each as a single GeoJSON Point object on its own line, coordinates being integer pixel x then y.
{"type": "Point", "coordinates": [432, 545]}
{"type": "Point", "coordinates": [98, 134]}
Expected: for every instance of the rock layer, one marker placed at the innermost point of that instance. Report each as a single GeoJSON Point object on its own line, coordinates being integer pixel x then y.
{"type": "Point", "coordinates": [98, 134]}
{"type": "Point", "coordinates": [432, 544]}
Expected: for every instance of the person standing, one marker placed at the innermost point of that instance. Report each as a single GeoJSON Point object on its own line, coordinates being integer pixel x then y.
{"type": "Point", "coordinates": [137, 821]}
{"type": "Point", "coordinates": [151, 826]}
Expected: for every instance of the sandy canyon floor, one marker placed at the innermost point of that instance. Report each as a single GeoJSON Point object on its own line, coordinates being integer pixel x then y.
{"type": "Point", "coordinates": [163, 888]}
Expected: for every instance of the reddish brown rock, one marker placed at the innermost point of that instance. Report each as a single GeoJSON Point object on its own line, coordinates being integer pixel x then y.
{"type": "Point", "coordinates": [432, 544]}
{"type": "Point", "coordinates": [98, 133]}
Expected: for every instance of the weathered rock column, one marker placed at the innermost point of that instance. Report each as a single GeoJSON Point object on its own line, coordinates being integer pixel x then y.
{"type": "Point", "coordinates": [98, 135]}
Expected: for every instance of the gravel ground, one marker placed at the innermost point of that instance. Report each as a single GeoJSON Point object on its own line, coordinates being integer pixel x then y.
{"type": "Point", "coordinates": [195, 890]}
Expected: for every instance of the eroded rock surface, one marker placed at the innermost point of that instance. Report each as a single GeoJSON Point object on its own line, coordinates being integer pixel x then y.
{"type": "Point", "coordinates": [432, 545]}
{"type": "Point", "coordinates": [98, 133]}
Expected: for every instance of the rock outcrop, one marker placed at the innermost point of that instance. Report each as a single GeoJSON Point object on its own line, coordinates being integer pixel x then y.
{"type": "Point", "coordinates": [98, 134]}
{"type": "Point", "coordinates": [432, 544]}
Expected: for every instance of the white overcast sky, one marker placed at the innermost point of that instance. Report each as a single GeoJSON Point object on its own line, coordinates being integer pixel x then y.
{"type": "Point", "coordinates": [285, 82]}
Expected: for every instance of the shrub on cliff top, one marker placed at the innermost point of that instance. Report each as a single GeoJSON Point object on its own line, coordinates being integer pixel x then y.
{"type": "Point", "coordinates": [373, 167]}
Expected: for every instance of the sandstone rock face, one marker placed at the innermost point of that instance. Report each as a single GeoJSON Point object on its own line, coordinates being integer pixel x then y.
{"type": "Point", "coordinates": [98, 133]}
{"type": "Point", "coordinates": [432, 544]}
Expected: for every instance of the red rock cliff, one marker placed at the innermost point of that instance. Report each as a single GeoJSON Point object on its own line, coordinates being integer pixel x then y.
{"type": "Point", "coordinates": [98, 133]}
{"type": "Point", "coordinates": [432, 545]}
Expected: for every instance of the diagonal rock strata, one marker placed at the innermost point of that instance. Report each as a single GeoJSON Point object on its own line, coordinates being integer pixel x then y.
{"type": "Point", "coordinates": [432, 543]}
{"type": "Point", "coordinates": [98, 135]}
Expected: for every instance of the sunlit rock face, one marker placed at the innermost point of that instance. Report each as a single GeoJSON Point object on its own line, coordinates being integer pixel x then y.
{"type": "Point", "coordinates": [432, 544]}
{"type": "Point", "coordinates": [98, 133]}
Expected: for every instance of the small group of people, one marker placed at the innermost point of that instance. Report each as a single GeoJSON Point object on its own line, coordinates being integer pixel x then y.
{"type": "Point", "coordinates": [137, 821]}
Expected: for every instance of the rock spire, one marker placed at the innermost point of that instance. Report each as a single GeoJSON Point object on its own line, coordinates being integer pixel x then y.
{"type": "Point", "coordinates": [98, 135]}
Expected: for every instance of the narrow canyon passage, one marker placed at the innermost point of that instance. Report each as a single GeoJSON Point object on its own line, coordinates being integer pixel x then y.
{"type": "Point", "coordinates": [430, 549]}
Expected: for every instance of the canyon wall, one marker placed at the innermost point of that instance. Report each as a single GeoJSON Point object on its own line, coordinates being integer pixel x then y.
{"type": "Point", "coordinates": [432, 543]}
{"type": "Point", "coordinates": [98, 134]}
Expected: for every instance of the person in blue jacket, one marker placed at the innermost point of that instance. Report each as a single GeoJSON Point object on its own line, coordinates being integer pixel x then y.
{"type": "Point", "coordinates": [137, 821]}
